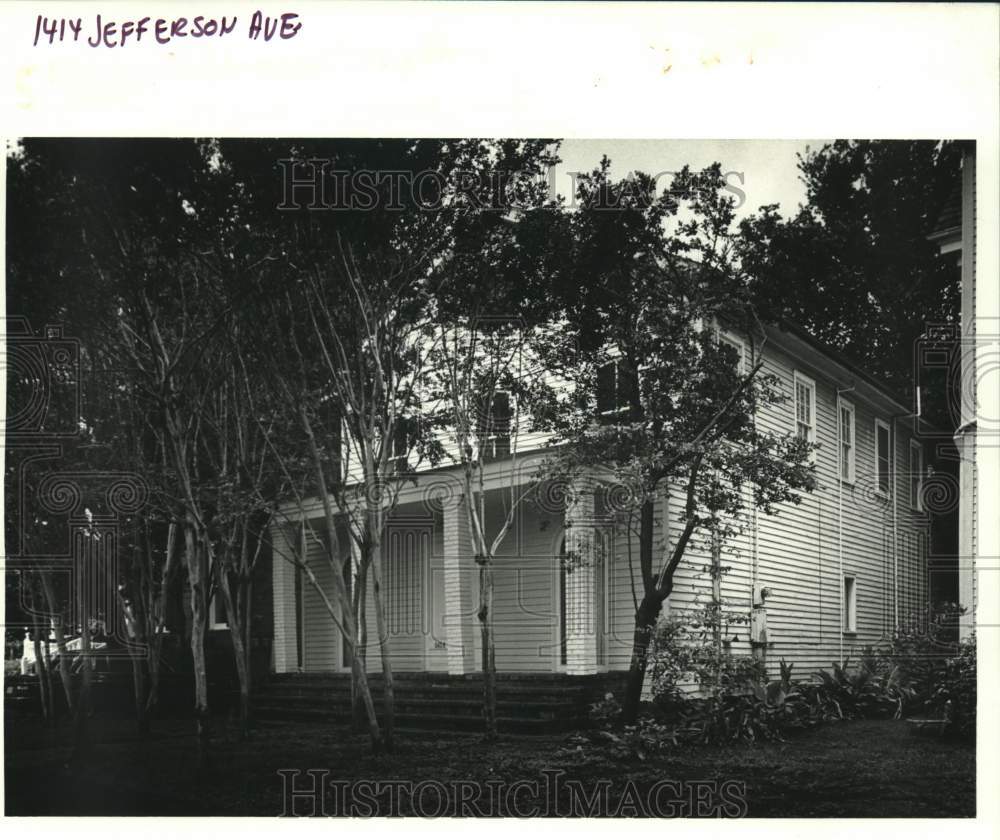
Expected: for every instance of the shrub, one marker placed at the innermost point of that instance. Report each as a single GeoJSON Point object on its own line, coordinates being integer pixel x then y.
{"type": "Point", "coordinates": [684, 654]}
{"type": "Point", "coordinates": [606, 711]}
{"type": "Point", "coordinates": [865, 693]}
{"type": "Point", "coordinates": [954, 694]}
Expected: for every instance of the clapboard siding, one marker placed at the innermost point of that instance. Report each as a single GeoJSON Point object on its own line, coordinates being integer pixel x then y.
{"type": "Point", "coordinates": [321, 637]}
{"type": "Point", "coordinates": [800, 553]}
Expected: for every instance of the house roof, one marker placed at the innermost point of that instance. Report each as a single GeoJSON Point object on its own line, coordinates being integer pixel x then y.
{"type": "Point", "coordinates": [879, 385]}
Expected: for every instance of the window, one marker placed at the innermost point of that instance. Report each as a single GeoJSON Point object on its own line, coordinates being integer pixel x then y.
{"type": "Point", "coordinates": [846, 442]}
{"type": "Point", "coordinates": [916, 475]}
{"type": "Point", "coordinates": [737, 345]}
{"type": "Point", "coordinates": [494, 428]}
{"type": "Point", "coordinates": [850, 604]}
{"type": "Point", "coordinates": [883, 460]}
{"type": "Point", "coordinates": [617, 389]}
{"type": "Point", "coordinates": [399, 446]}
{"type": "Point", "coordinates": [217, 619]}
{"type": "Point", "coordinates": [805, 408]}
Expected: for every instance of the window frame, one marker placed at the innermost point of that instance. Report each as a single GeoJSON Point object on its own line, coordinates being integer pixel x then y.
{"type": "Point", "coordinates": [215, 604]}
{"type": "Point", "coordinates": [395, 462]}
{"type": "Point", "coordinates": [810, 383]}
{"type": "Point", "coordinates": [917, 476]}
{"type": "Point", "coordinates": [489, 440]}
{"type": "Point", "coordinates": [849, 602]}
{"type": "Point", "coordinates": [616, 414]}
{"type": "Point", "coordinates": [852, 458]}
{"type": "Point", "coordinates": [890, 479]}
{"type": "Point", "coordinates": [731, 338]}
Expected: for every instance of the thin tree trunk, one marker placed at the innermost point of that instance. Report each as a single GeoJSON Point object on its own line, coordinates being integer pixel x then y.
{"type": "Point", "coordinates": [360, 610]}
{"type": "Point", "coordinates": [81, 733]}
{"type": "Point", "coordinates": [140, 693]}
{"type": "Point", "coordinates": [239, 652]}
{"type": "Point", "coordinates": [49, 683]}
{"type": "Point", "coordinates": [489, 649]}
{"type": "Point", "coordinates": [341, 595]}
{"type": "Point", "coordinates": [197, 579]}
{"type": "Point", "coordinates": [65, 669]}
{"type": "Point", "coordinates": [382, 627]}
{"type": "Point", "coordinates": [246, 588]}
{"type": "Point", "coordinates": [43, 689]}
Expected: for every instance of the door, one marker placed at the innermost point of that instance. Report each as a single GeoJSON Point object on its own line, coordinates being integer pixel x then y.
{"type": "Point", "coordinates": [405, 565]}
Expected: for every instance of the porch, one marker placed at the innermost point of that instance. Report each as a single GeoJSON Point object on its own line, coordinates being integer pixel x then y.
{"type": "Point", "coordinates": [550, 616]}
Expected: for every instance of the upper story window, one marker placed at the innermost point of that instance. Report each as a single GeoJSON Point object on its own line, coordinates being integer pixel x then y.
{"type": "Point", "coordinates": [805, 408]}
{"type": "Point", "coordinates": [883, 458]}
{"type": "Point", "coordinates": [847, 445]}
{"type": "Point", "coordinates": [399, 446]}
{"type": "Point", "coordinates": [732, 341]}
{"type": "Point", "coordinates": [916, 475]}
{"type": "Point", "coordinates": [617, 389]}
{"type": "Point", "coordinates": [494, 427]}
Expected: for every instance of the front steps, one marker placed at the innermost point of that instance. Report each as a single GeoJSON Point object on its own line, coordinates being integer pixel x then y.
{"type": "Point", "coordinates": [526, 703]}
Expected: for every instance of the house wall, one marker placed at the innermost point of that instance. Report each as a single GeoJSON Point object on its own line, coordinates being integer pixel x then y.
{"type": "Point", "coordinates": [800, 553]}
{"type": "Point", "coordinates": [804, 550]}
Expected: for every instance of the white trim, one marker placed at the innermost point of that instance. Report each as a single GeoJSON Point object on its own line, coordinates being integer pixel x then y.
{"type": "Point", "coordinates": [852, 461]}
{"type": "Point", "coordinates": [882, 424]}
{"type": "Point", "coordinates": [916, 503]}
{"type": "Point", "coordinates": [849, 600]}
{"type": "Point", "coordinates": [212, 623]}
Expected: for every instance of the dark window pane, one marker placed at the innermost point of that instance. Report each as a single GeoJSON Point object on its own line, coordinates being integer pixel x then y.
{"type": "Point", "coordinates": [606, 388]}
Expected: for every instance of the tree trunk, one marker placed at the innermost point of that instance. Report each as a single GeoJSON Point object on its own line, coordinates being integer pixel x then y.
{"type": "Point", "coordinates": [239, 652]}
{"type": "Point", "coordinates": [246, 588]}
{"type": "Point", "coordinates": [49, 684]}
{"type": "Point", "coordinates": [140, 693]}
{"type": "Point", "coordinates": [645, 623]}
{"type": "Point", "coordinates": [44, 690]}
{"type": "Point", "coordinates": [195, 551]}
{"type": "Point", "coordinates": [360, 610]}
{"type": "Point", "coordinates": [81, 744]}
{"type": "Point", "coordinates": [489, 650]}
{"type": "Point", "coordinates": [382, 627]}
{"type": "Point", "coordinates": [153, 695]}
{"type": "Point", "coordinates": [65, 670]}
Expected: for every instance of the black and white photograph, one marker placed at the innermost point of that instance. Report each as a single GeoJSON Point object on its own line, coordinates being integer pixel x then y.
{"type": "Point", "coordinates": [519, 475]}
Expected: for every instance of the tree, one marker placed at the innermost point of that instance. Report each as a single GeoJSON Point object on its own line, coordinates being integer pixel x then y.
{"type": "Point", "coordinates": [116, 217]}
{"type": "Point", "coordinates": [854, 265]}
{"type": "Point", "coordinates": [658, 405]}
{"type": "Point", "coordinates": [360, 286]}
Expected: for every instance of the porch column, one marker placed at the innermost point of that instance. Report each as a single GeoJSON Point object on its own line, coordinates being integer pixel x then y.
{"type": "Point", "coordinates": [459, 571]}
{"type": "Point", "coordinates": [283, 595]}
{"type": "Point", "coordinates": [581, 624]}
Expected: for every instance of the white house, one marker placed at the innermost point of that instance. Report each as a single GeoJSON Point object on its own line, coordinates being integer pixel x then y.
{"type": "Point", "coordinates": [840, 570]}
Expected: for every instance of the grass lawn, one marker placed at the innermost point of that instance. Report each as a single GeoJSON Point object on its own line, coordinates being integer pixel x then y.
{"type": "Point", "coordinates": [855, 769]}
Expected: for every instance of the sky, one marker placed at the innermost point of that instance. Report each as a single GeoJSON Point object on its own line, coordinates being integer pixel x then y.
{"type": "Point", "coordinates": [765, 170]}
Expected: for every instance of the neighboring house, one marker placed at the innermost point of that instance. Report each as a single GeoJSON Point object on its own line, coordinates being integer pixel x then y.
{"type": "Point", "coordinates": [822, 579]}
{"type": "Point", "coordinates": [956, 235]}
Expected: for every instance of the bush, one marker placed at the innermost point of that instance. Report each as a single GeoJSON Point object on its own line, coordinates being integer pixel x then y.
{"type": "Point", "coordinates": [606, 711]}
{"type": "Point", "coordinates": [954, 694]}
{"type": "Point", "coordinates": [684, 654]}
{"type": "Point", "coordinates": [868, 692]}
